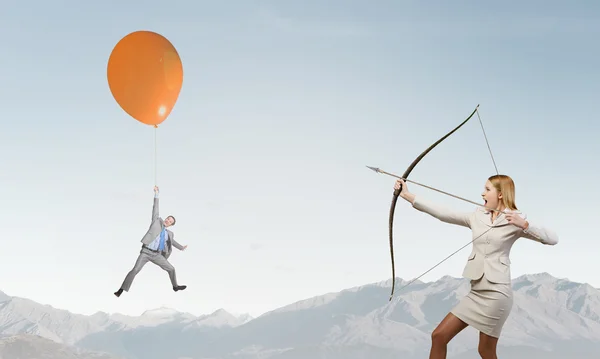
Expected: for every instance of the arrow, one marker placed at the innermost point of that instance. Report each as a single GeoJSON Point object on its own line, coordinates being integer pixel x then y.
{"type": "Point", "coordinates": [378, 170]}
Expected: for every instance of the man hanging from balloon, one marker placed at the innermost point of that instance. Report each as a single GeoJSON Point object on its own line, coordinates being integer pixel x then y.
{"type": "Point", "coordinates": [145, 75]}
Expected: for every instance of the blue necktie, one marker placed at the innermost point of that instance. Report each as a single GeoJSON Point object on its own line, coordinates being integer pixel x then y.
{"type": "Point", "coordinates": [161, 244]}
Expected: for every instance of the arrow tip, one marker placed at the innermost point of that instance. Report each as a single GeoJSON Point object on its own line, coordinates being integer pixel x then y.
{"type": "Point", "coordinates": [374, 168]}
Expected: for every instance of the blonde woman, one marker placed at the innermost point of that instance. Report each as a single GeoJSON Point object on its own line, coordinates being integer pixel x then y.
{"type": "Point", "coordinates": [495, 227]}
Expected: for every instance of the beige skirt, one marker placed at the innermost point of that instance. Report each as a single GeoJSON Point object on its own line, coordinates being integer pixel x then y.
{"type": "Point", "coordinates": [486, 307]}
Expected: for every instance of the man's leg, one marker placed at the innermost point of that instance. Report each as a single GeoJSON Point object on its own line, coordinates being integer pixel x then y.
{"type": "Point", "coordinates": [141, 261]}
{"type": "Point", "coordinates": [163, 262]}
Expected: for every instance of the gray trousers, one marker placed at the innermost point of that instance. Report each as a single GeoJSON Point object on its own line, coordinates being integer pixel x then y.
{"type": "Point", "coordinates": [146, 256]}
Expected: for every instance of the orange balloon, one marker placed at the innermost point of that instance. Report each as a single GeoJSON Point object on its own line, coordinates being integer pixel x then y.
{"type": "Point", "coordinates": [145, 76]}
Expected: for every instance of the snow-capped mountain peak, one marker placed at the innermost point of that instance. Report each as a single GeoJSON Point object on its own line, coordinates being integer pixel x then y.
{"type": "Point", "coordinates": [161, 312]}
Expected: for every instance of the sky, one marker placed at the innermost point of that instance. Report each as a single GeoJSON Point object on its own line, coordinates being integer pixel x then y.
{"type": "Point", "coordinates": [262, 160]}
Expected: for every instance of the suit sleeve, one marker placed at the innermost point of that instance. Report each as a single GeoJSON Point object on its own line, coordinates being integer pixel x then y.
{"type": "Point", "coordinates": [541, 234]}
{"type": "Point", "coordinates": [175, 243]}
{"type": "Point", "coordinates": [444, 214]}
{"type": "Point", "coordinates": [155, 208]}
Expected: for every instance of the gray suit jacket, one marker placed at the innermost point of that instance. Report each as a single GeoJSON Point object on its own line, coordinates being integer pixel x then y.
{"type": "Point", "coordinates": [156, 227]}
{"type": "Point", "coordinates": [491, 251]}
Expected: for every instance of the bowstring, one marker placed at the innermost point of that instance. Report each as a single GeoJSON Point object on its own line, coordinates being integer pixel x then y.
{"type": "Point", "coordinates": [486, 141]}
{"type": "Point", "coordinates": [443, 260]}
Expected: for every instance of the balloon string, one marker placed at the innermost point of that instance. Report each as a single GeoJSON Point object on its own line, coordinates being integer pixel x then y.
{"type": "Point", "coordinates": [155, 156]}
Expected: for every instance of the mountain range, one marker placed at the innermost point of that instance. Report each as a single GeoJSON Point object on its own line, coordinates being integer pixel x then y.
{"type": "Point", "coordinates": [551, 318]}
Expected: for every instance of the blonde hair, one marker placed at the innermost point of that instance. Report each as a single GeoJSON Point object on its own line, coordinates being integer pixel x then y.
{"type": "Point", "coordinates": [505, 185]}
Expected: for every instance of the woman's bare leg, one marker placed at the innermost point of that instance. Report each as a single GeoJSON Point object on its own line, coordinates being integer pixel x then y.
{"type": "Point", "coordinates": [487, 346]}
{"type": "Point", "coordinates": [442, 335]}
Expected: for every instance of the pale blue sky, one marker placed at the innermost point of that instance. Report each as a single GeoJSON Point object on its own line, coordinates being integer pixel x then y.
{"type": "Point", "coordinates": [263, 159]}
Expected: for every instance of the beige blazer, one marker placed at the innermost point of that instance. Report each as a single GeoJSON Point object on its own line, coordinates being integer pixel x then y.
{"type": "Point", "coordinates": [492, 241]}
